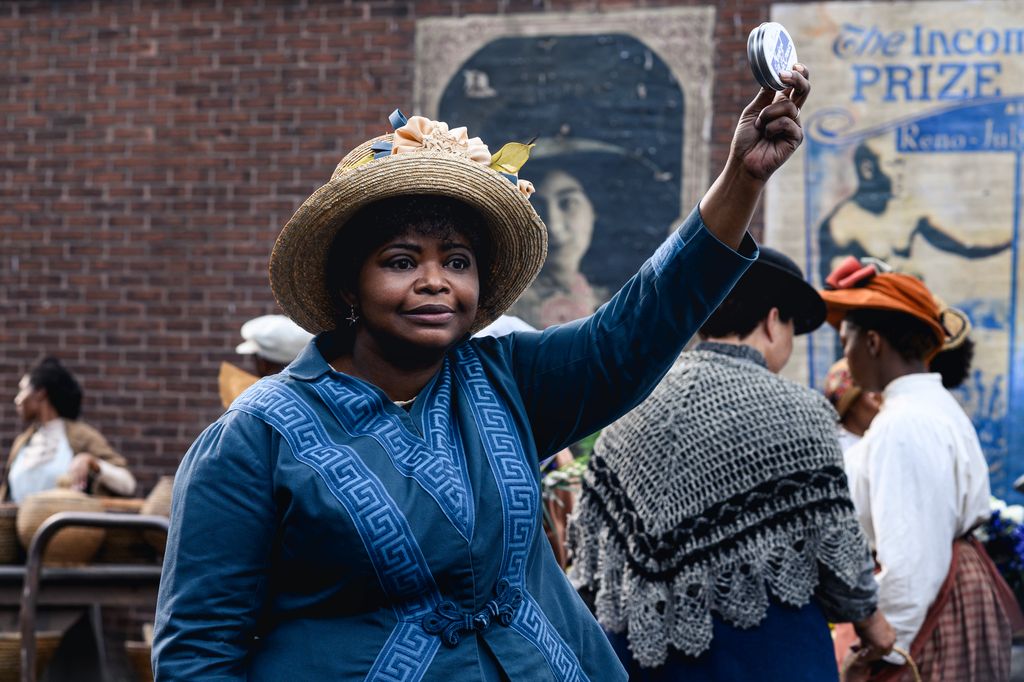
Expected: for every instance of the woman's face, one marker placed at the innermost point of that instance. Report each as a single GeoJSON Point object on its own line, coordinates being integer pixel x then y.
{"type": "Point", "coordinates": [28, 400]}
{"type": "Point", "coordinates": [863, 367]}
{"type": "Point", "coordinates": [419, 291]}
{"type": "Point", "coordinates": [569, 215]}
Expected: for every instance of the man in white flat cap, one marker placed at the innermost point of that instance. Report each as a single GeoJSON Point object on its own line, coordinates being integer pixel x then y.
{"type": "Point", "coordinates": [273, 341]}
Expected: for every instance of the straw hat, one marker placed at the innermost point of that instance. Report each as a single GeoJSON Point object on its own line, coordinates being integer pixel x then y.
{"type": "Point", "coordinates": [422, 157]}
{"type": "Point", "coordinates": [956, 323]}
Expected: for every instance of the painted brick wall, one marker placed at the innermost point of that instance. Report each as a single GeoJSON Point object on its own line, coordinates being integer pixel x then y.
{"type": "Point", "coordinates": [150, 152]}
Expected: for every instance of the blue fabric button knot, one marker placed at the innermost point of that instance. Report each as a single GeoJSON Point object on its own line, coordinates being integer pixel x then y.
{"type": "Point", "coordinates": [449, 622]}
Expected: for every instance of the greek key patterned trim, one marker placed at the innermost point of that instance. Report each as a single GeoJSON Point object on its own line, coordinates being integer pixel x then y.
{"type": "Point", "coordinates": [406, 655]}
{"type": "Point", "coordinates": [437, 464]}
{"type": "Point", "coordinates": [519, 500]}
{"type": "Point", "coordinates": [533, 625]}
{"type": "Point", "coordinates": [397, 559]}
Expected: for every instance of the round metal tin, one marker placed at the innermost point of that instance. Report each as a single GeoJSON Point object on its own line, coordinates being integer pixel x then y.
{"type": "Point", "coordinates": [770, 49]}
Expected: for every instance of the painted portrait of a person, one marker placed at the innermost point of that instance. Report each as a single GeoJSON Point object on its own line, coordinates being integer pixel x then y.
{"type": "Point", "coordinates": [606, 116]}
{"type": "Point", "coordinates": [927, 215]}
{"type": "Point", "coordinates": [889, 217]}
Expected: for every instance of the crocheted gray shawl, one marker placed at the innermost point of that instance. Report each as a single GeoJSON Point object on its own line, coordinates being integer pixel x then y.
{"type": "Point", "coordinates": [725, 485]}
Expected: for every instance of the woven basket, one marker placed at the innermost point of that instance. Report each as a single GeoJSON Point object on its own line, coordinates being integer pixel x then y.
{"type": "Point", "coordinates": [71, 546]}
{"type": "Point", "coordinates": [10, 550]}
{"type": "Point", "coordinates": [10, 653]}
{"type": "Point", "coordinates": [140, 656]}
{"type": "Point", "coordinates": [124, 545]}
{"type": "Point", "coordinates": [158, 503]}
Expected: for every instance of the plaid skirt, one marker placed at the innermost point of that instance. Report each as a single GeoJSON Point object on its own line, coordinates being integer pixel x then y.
{"type": "Point", "coordinates": [968, 632]}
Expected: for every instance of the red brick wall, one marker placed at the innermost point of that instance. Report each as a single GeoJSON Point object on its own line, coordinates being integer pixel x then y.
{"type": "Point", "coordinates": [152, 150]}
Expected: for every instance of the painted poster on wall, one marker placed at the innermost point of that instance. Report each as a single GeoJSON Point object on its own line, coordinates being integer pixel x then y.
{"type": "Point", "coordinates": [913, 150]}
{"type": "Point", "coordinates": [618, 105]}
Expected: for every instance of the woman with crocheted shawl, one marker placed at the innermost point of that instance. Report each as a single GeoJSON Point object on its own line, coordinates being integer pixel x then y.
{"type": "Point", "coordinates": [715, 528]}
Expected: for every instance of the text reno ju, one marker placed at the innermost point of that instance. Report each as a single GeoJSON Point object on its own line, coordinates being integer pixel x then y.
{"type": "Point", "coordinates": [929, 64]}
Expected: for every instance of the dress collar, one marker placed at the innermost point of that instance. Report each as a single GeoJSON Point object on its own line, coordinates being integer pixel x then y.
{"type": "Point", "coordinates": [909, 384]}
{"type": "Point", "coordinates": [310, 363]}
{"type": "Point", "coordinates": [741, 351]}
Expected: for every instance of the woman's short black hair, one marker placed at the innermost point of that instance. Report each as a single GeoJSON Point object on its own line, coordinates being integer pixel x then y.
{"type": "Point", "coordinates": [912, 338]}
{"type": "Point", "coordinates": [377, 223]}
{"type": "Point", "coordinates": [954, 364]}
{"type": "Point", "coordinates": [742, 310]}
{"type": "Point", "coordinates": [61, 388]}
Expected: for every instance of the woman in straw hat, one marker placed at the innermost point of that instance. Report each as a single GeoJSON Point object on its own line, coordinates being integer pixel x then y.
{"type": "Point", "coordinates": [920, 484]}
{"type": "Point", "coordinates": [373, 512]}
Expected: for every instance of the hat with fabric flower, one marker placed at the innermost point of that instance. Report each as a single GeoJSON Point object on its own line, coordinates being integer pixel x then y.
{"type": "Point", "coordinates": [422, 157]}
{"type": "Point", "coordinates": [869, 283]}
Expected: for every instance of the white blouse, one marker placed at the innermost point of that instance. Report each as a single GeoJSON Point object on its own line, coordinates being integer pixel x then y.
{"type": "Point", "coordinates": [46, 457]}
{"type": "Point", "coordinates": [41, 461]}
{"type": "Point", "coordinates": [919, 480]}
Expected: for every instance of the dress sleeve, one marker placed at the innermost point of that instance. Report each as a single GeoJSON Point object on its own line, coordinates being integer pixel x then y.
{"type": "Point", "coordinates": [842, 603]}
{"type": "Point", "coordinates": [117, 480]}
{"type": "Point", "coordinates": [578, 377]}
{"type": "Point", "coordinates": [89, 439]}
{"type": "Point", "coordinates": [213, 586]}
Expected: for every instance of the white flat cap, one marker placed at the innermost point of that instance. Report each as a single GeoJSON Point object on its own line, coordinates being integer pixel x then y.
{"type": "Point", "coordinates": [506, 324]}
{"type": "Point", "coordinates": [273, 337]}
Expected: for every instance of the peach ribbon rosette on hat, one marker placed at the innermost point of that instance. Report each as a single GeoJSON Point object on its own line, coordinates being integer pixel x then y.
{"type": "Point", "coordinates": [420, 133]}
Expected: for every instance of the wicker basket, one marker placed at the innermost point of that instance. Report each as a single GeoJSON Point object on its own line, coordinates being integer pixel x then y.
{"type": "Point", "coordinates": [10, 653]}
{"type": "Point", "coordinates": [140, 656]}
{"type": "Point", "coordinates": [70, 546]}
{"type": "Point", "coordinates": [124, 545]}
{"type": "Point", "coordinates": [10, 550]}
{"type": "Point", "coordinates": [158, 503]}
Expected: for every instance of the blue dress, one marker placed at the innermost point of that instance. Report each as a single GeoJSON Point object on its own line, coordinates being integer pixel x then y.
{"type": "Point", "coordinates": [319, 531]}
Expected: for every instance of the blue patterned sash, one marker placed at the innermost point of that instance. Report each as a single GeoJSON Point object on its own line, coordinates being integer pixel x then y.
{"type": "Point", "coordinates": [383, 529]}
{"type": "Point", "coordinates": [519, 501]}
{"type": "Point", "coordinates": [437, 464]}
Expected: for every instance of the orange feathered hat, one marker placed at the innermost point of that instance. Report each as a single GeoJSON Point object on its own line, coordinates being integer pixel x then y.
{"type": "Point", "coordinates": [854, 285]}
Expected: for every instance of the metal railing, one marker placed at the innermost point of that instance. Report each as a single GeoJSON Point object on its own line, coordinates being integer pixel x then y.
{"type": "Point", "coordinates": [34, 566]}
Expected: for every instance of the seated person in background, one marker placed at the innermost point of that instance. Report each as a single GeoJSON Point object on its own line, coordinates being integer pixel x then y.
{"type": "Point", "coordinates": [57, 448]}
{"type": "Point", "coordinates": [273, 341]}
{"type": "Point", "coordinates": [856, 407]}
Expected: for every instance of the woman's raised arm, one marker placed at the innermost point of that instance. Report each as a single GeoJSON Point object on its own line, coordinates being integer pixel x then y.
{"type": "Point", "coordinates": [576, 378]}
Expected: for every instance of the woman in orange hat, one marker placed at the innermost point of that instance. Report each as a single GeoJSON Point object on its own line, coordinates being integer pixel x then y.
{"type": "Point", "coordinates": [920, 483]}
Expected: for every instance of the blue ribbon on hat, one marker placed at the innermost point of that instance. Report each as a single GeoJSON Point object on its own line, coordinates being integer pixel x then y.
{"type": "Point", "coordinates": [382, 148]}
{"type": "Point", "coordinates": [397, 119]}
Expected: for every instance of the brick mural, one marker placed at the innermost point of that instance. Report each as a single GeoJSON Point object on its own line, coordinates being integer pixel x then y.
{"type": "Point", "coordinates": [150, 152]}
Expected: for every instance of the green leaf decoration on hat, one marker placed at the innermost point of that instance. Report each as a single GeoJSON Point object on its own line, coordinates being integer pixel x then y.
{"type": "Point", "coordinates": [361, 161]}
{"type": "Point", "coordinates": [511, 157]}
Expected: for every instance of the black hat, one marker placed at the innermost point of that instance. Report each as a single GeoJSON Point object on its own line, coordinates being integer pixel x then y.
{"type": "Point", "coordinates": [775, 272]}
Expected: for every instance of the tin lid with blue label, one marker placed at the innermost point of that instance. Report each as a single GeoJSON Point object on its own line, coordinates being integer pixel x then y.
{"type": "Point", "coordinates": [770, 49]}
